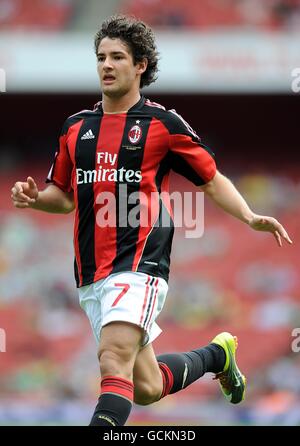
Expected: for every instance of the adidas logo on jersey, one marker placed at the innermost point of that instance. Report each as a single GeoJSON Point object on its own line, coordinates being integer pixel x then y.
{"type": "Point", "coordinates": [88, 135]}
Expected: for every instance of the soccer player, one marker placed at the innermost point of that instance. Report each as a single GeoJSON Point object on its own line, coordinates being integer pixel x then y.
{"type": "Point", "coordinates": [128, 145]}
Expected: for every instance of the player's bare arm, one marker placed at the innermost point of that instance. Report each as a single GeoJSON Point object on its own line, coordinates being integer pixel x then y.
{"type": "Point", "coordinates": [221, 190]}
{"type": "Point", "coordinates": [25, 194]}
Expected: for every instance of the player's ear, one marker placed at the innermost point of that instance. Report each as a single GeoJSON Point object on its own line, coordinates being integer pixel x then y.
{"type": "Point", "coordinates": [142, 66]}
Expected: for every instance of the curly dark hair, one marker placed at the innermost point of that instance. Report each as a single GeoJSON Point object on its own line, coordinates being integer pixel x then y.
{"type": "Point", "coordinates": [139, 38]}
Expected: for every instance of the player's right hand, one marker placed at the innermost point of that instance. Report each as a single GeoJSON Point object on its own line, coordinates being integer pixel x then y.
{"type": "Point", "coordinates": [24, 193]}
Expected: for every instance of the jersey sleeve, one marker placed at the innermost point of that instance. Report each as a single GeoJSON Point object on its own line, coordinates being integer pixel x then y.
{"type": "Point", "coordinates": [189, 157]}
{"type": "Point", "coordinates": [60, 173]}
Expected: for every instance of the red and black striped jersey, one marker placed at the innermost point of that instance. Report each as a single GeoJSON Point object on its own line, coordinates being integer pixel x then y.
{"type": "Point", "coordinates": [123, 155]}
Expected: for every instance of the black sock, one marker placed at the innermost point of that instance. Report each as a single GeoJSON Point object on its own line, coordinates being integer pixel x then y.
{"type": "Point", "coordinates": [179, 370]}
{"type": "Point", "coordinates": [115, 402]}
{"type": "Point", "coordinates": [111, 410]}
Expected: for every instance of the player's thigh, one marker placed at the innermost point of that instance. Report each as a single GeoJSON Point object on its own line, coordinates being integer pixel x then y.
{"type": "Point", "coordinates": [122, 340]}
{"type": "Point", "coordinates": [147, 377]}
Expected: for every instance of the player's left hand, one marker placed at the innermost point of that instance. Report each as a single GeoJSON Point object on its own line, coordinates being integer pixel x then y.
{"type": "Point", "coordinates": [270, 224]}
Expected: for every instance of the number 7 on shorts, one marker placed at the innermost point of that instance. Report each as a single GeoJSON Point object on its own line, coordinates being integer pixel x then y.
{"type": "Point", "coordinates": [125, 287]}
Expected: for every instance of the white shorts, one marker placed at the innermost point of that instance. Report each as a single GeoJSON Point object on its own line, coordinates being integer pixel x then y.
{"type": "Point", "coordinates": [130, 296]}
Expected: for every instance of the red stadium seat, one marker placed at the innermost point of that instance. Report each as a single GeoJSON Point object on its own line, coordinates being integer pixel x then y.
{"type": "Point", "coordinates": [35, 14]}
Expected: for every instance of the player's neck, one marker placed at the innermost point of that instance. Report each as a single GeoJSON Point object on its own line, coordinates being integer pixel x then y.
{"type": "Point", "coordinates": [120, 105]}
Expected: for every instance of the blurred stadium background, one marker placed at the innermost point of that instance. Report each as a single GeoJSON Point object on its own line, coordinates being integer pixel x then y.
{"type": "Point", "coordinates": [226, 66]}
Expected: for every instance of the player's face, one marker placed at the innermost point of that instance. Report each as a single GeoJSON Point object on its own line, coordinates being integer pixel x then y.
{"type": "Point", "coordinates": [117, 73]}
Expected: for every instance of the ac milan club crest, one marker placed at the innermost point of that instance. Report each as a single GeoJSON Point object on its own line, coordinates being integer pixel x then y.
{"type": "Point", "coordinates": [135, 134]}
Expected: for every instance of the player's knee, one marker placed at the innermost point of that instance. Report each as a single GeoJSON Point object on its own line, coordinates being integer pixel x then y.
{"type": "Point", "coordinates": [146, 393]}
{"type": "Point", "coordinates": [115, 362]}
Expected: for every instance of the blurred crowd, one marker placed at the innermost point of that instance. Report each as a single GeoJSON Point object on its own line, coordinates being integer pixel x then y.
{"type": "Point", "coordinates": [35, 14]}
{"type": "Point", "coordinates": [200, 15]}
{"type": "Point", "coordinates": [209, 14]}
